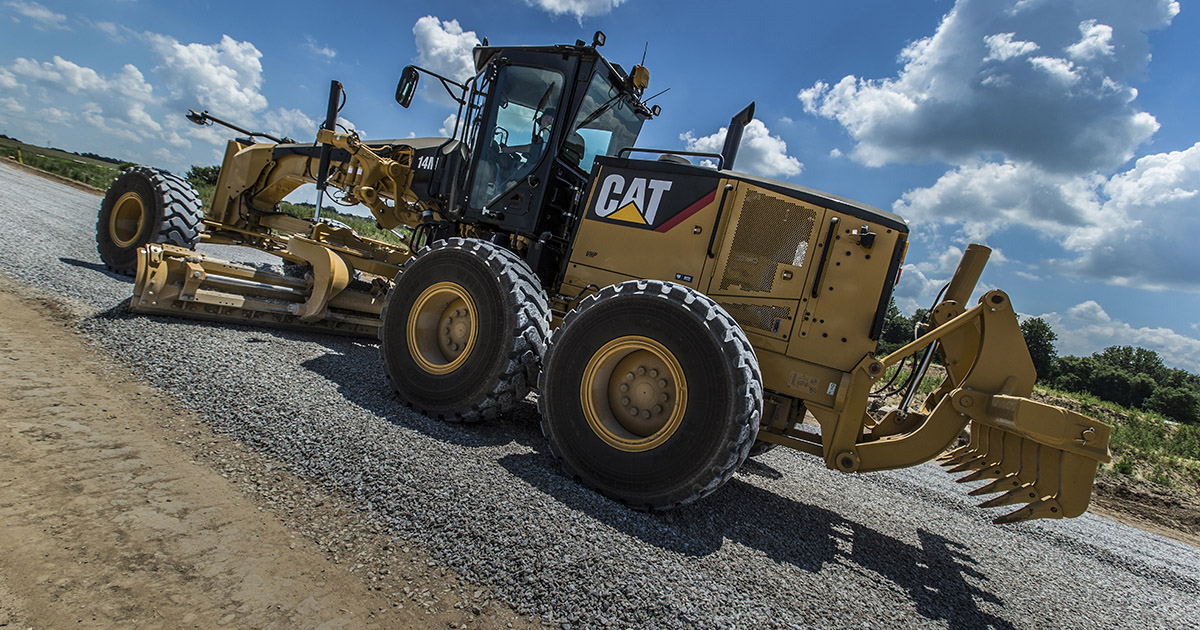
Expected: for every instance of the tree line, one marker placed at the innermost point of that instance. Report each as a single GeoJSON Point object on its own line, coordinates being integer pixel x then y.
{"type": "Point", "coordinates": [1126, 375]}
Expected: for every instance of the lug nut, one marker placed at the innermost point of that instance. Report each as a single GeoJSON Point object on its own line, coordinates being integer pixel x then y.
{"type": "Point", "coordinates": [641, 370]}
{"type": "Point", "coordinates": [625, 401]}
{"type": "Point", "coordinates": [624, 387]}
{"type": "Point", "coordinates": [629, 376]}
{"type": "Point", "coordinates": [646, 415]}
{"type": "Point", "coordinates": [663, 397]}
{"type": "Point", "coordinates": [657, 409]}
{"type": "Point", "coordinates": [653, 373]}
{"type": "Point", "coordinates": [633, 411]}
{"type": "Point", "coordinates": [662, 383]}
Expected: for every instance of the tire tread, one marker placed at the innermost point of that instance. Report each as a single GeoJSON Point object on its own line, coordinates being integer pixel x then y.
{"type": "Point", "coordinates": [524, 359]}
{"type": "Point", "coordinates": [737, 352]}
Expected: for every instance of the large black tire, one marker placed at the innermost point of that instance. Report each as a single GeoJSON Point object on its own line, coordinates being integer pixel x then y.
{"type": "Point", "coordinates": [486, 358]}
{"type": "Point", "coordinates": [145, 205]}
{"type": "Point", "coordinates": [688, 375]}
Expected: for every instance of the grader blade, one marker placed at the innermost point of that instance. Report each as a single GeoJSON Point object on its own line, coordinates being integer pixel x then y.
{"type": "Point", "coordinates": [178, 281]}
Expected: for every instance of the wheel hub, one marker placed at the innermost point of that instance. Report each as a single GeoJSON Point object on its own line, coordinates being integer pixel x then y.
{"type": "Point", "coordinates": [442, 328]}
{"type": "Point", "coordinates": [127, 219]}
{"type": "Point", "coordinates": [634, 393]}
{"type": "Point", "coordinates": [641, 401]}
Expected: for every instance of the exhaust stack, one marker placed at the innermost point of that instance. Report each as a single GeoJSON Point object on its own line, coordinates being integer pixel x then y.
{"type": "Point", "coordinates": [733, 137]}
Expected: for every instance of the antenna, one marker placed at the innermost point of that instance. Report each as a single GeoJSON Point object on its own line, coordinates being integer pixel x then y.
{"type": "Point", "coordinates": [656, 96]}
{"type": "Point", "coordinates": [644, 53]}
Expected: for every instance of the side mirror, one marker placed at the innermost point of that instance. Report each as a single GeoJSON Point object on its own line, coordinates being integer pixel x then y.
{"type": "Point", "coordinates": [407, 86]}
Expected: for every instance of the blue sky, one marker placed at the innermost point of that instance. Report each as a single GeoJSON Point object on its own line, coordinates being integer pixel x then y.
{"type": "Point", "coordinates": [1062, 133]}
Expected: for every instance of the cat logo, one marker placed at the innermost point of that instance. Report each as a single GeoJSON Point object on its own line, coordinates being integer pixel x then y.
{"type": "Point", "coordinates": [633, 202]}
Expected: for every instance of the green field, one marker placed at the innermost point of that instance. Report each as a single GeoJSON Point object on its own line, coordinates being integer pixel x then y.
{"type": "Point", "coordinates": [87, 170]}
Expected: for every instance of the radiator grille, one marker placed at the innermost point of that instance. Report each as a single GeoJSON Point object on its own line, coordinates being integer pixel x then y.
{"type": "Point", "coordinates": [766, 318]}
{"type": "Point", "coordinates": [770, 231]}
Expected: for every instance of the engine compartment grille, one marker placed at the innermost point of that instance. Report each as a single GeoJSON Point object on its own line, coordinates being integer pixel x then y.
{"type": "Point", "coordinates": [770, 230]}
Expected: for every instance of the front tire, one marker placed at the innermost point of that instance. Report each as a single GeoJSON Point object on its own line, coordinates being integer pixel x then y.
{"type": "Point", "coordinates": [651, 394]}
{"type": "Point", "coordinates": [463, 330]}
{"type": "Point", "coordinates": [145, 205]}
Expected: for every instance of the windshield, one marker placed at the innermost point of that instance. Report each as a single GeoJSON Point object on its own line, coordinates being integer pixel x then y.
{"type": "Point", "coordinates": [606, 122]}
{"type": "Point", "coordinates": [523, 111]}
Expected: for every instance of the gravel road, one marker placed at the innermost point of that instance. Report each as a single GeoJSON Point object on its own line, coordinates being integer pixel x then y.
{"type": "Point", "coordinates": [786, 543]}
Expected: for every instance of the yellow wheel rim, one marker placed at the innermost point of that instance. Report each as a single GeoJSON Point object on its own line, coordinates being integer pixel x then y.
{"type": "Point", "coordinates": [633, 393]}
{"type": "Point", "coordinates": [127, 219]}
{"type": "Point", "coordinates": [442, 328]}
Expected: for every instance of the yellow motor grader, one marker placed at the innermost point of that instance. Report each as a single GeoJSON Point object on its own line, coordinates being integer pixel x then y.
{"type": "Point", "coordinates": [698, 313]}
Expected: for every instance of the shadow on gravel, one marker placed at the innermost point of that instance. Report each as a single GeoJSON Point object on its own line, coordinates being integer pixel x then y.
{"type": "Point", "coordinates": [937, 575]}
{"type": "Point", "coordinates": [367, 387]}
{"type": "Point", "coordinates": [83, 264]}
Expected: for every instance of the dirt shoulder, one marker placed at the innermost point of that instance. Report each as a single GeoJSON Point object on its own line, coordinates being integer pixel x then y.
{"type": "Point", "coordinates": [119, 509]}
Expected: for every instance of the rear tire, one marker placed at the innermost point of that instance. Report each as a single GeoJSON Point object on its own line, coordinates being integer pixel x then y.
{"type": "Point", "coordinates": [463, 330]}
{"type": "Point", "coordinates": [145, 205]}
{"type": "Point", "coordinates": [651, 394]}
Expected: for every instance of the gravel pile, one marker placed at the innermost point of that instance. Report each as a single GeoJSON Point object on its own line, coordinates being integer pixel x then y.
{"type": "Point", "coordinates": [787, 543]}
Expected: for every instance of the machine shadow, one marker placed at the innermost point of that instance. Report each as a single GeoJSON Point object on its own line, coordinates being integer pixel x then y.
{"type": "Point", "coordinates": [255, 333]}
{"type": "Point", "coordinates": [368, 388]}
{"type": "Point", "coordinates": [934, 574]}
{"type": "Point", "coordinates": [97, 267]}
{"type": "Point", "coordinates": [937, 574]}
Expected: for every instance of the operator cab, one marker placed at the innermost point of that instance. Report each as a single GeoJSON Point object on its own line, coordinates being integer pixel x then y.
{"type": "Point", "coordinates": [531, 124]}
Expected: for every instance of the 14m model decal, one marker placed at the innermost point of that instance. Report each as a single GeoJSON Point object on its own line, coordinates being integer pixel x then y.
{"type": "Point", "coordinates": [651, 203]}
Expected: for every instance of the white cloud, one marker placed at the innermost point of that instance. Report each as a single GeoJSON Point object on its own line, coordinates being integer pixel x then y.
{"type": "Point", "coordinates": [7, 80]}
{"type": "Point", "coordinates": [1143, 235]}
{"type": "Point", "coordinates": [578, 8]}
{"type": "Point", "coordinates": [1132, 229]}
{"type": "Point", "coordinates": [447, 129]}
{"type": "Point", "coordinates": [318, 49]}
{"type": "Point", "coordinates": [290, 122]}
{"type": "Point", "coordinates": [41, 17]}
{"type": "Point", "coordinates": [224, 77]}
{"type": "Point", "coordinates": [445, 48]}
{"type": "Point", "coordinates": [1061, 71]}
{"type": "Point", "coordinates": [55, 116]}
{"type": "Point", "coordinates": [1096, 42]}
{"type": "Point", "coordinates": [971, 90]}
{"type": "Point", "coordinates": [11, 105]}
{"type": "Point", "coordinates": [944, 264]}
{"type": "Point", "coordinates": [985, 197]}
{"type": "Point", "coordinates": [916, 289]}
{"type": "Point", "coordinates": [1001, 47]}
{"type": "Point", "coordinates": [1086, 328]}
{"type": "Point", "coordinates": [760, 153]}
{"type": "Point", "coordinates": [121, 97]}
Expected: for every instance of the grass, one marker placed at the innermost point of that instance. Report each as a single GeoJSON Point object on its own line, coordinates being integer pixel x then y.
{"type": "Point", "coordinates": [1144, 445]}
{"type": "Point", "coordinates": [930, 382]}
{"type": "Point", "coordinates": [363, 226]}
{"type": "Point", "coordinates": [78, 168]}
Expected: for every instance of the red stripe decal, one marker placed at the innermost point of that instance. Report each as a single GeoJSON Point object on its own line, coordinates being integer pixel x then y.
{"type": "Point", "coordinates": [687, 212]}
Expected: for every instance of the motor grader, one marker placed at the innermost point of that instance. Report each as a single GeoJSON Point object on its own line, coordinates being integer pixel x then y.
{"type": "Point", "coordinates": [698, 313]}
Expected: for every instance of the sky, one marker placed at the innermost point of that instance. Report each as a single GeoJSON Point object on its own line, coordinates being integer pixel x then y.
{"type": "Point", "coordinates": [1063, 134]}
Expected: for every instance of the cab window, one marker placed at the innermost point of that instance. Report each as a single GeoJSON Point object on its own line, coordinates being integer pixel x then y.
{"type": "Point", "coordinates": [522, 110]}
